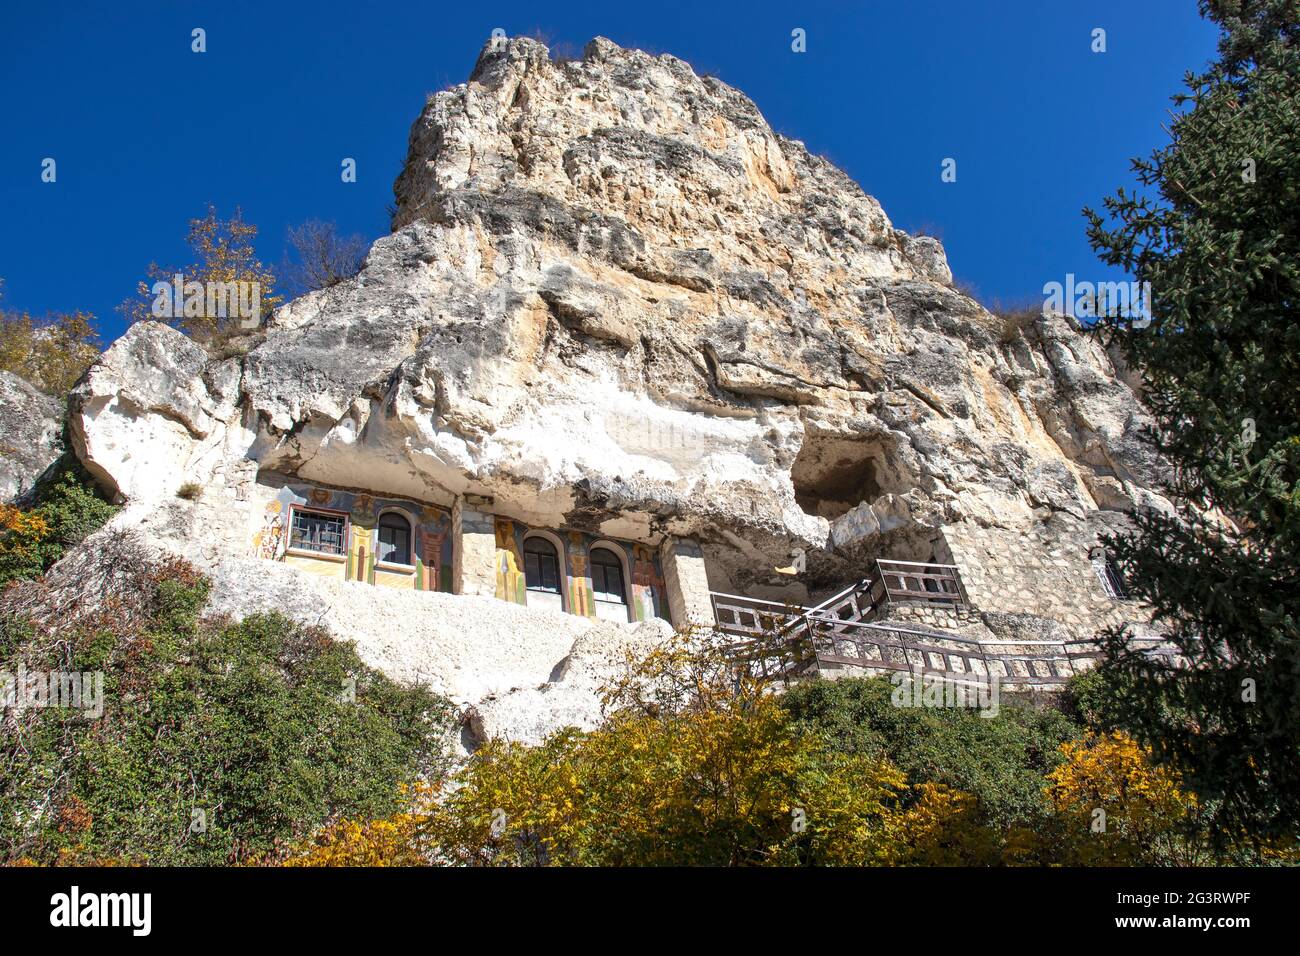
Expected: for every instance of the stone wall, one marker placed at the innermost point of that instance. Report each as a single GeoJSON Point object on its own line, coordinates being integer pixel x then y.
{"type": "Point", "coordinates": [474, 550]}
{"type": "Point", "coordinates": [687, 582]}
{"type": "Point", "coordinates": [965, 621]}
{"type": "Point", "coordinates": [1046, 570]}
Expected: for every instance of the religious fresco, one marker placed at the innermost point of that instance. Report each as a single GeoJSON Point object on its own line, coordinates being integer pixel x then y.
{"type": "Point", "coordinates": [510, 562]}
{"type": "Point", "coordinates": [431, 532]}
{"type": "Point", "coordinates": [433, 537]}
{"type": "Point", "coordinates": [432, 546]}
{"type": "Point", "coordinates": [268, 540]}
{"type": "Point", "coordinates": [361, 540]}
{"type": "Point", "coordinates": [579, 575]}
{"type": "Point", "coordinates": [647, 598]}
{"type": "Point", "coordinates": [649, 593]}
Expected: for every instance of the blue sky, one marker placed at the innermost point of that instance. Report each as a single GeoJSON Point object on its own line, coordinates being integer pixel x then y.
{"type": "Point", "coordinates": [146, 132]}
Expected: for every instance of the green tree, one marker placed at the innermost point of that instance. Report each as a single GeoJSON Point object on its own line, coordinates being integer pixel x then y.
{"type": "Point", "coordinates": [67, 507]}
{"type": "Point", "coordinates": [1000, 761]}
{"type": "Point", "coordinates": [1216, 237]}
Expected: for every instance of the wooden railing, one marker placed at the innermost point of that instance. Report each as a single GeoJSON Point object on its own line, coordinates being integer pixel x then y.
{"type": "Point", "coordinates": [854, 603]}
{"type": "Point", "coordinates": [751, 617]}
{"type": "Point", "coordinates": [788, 641]}
{"type": "Point", "coordinates": [878, 647]}
{"type": "Point", "coordinates": [887, 647]}
{"type": "Point", "coordinates": [889, 581]}
{"type": "Point", "coordinates": [914, 581]}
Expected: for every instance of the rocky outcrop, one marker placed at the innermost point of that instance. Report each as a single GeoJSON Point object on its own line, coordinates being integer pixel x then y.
{"type": "Point", "coordinates": [31, 426]}
{"type": "Point", "coordinates": [151, 414]}
{"type": "Point", "coordinates": [614, 292]}
{"type": "Point", "coordinates": [616, 301]}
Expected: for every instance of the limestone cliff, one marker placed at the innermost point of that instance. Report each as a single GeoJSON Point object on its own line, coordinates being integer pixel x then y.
{"type": "Point", "coordinates": [30, 439]}
{"type": "Point", "coordinates": [616, 304]}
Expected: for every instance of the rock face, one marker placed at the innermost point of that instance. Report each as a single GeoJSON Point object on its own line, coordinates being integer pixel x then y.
{"type": "Point", "coordinates": [615, 303]}
{"type": "Point", "coordinates": [31, 423]}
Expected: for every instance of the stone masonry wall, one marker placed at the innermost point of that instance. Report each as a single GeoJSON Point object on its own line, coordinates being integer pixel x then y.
{"type": "Point", "coordinates": [1045, 571]}
{"type": "Point", "coordinates": [687, 582]}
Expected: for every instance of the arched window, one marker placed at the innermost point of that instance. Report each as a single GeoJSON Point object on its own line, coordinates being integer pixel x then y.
{"type": "Point", "coordinates": [607, 576]}
{"type": "Point", "coordinates": [394, 539]}
{"type": "Point", "coordinates": [541, 565]}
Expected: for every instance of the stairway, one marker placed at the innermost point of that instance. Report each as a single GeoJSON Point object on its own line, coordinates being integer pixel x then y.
{"type": "Point", "coordinates": [889, 581]}
{"type": "Point", "coordinates": [843, 634]}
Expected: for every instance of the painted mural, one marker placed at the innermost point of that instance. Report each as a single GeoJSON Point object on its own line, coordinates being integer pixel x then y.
{"type": "Point", "coordinates": [579, 576]}
{"type": "Point", "coordinates": [432, 546]}
{"type": "Point", "coordinates": [510, 562]}
{"type": "Point", "coordinates": [431, 530]}
{"type": "Point", "coordinates": [433, 537]}
{"type": "Point", "coordinates": [649, 593]}
{"type": "Point", "coordinates": [648, 597]}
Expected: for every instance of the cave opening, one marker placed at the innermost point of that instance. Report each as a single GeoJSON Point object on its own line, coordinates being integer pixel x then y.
{"type": "Point", "coordinates": [834, 474]}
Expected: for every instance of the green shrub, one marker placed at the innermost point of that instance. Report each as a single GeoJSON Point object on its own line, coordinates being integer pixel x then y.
{"type": "Point", "coordinates": [66, 507]}
{"type": "Point", "coordinates": [1001, 760]}
{"type": "Point", "coordinates": [219, 742]}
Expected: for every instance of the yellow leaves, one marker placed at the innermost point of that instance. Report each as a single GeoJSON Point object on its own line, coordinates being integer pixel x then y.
{"type": "Point", "coordinates": [25, 524]}
{"type": "Point", "coordinates": [388, 842]}
{"type": "Point", "coordinates": [943, 828]}
{"type": "Point", "coordinates": [1114, 773]}
{"type": "Point", "coordinates": [736, 786]}
{"type": "Point", "coordinates": [1116, 806]}
{"type": "Point", "coordinates": [392, 841]}
{"type": "Point", "coordinates": [21, 532]}
{"type": "Point", "coordinates": [224, 253]}
{"type": "Point", "coordinates": [695, 765]}
{"type": "Point", "coordinates": [51, 353]}
{"type": "Point", "coordinates": [727, 786]}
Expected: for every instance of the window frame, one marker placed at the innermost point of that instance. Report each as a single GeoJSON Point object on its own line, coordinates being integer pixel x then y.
{"type": "Point", "coordinates": [619, 564]}
{"type": "Point", "coordinates": [558, 556]}
{"type": "Point", "coordinates": [409, 561]}
{"type": "Point", "coordinates": [345, 536]}
{"type": "Point", "coordinates": [1109, 574]}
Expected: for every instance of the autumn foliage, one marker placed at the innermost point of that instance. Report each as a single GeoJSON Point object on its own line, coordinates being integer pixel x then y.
{"type": "Point", "coordinates": [50, 352]}
{"type": "Point", "coordinates": [695, 764]}
{"type": "Point", "coordinates": [224, 252]}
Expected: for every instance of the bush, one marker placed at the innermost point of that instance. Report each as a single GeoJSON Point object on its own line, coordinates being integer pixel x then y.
{"type": "Point", "coordinates": [190, 491]}
{"type": "Point", "coordinates": [697, 765]}
{"type": "Point", "coordinates": [219, 742]}
{"type": "Point", "coordinates": [1116, 806]}
{"type": "Point", "coordinates": [690, 768]}
{"type": "Point", "coordinates": [67, 506]}
{"type": "Point", "coordinates": [728, 788]}
{"type": "Point", "coordinates": [1000, 761]}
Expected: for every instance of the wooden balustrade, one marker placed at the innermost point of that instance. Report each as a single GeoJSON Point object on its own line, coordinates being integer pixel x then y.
{"type": "Point", "coordinates": [913, 581]}
{"type": "Point", "coordinates": [788, 641]}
